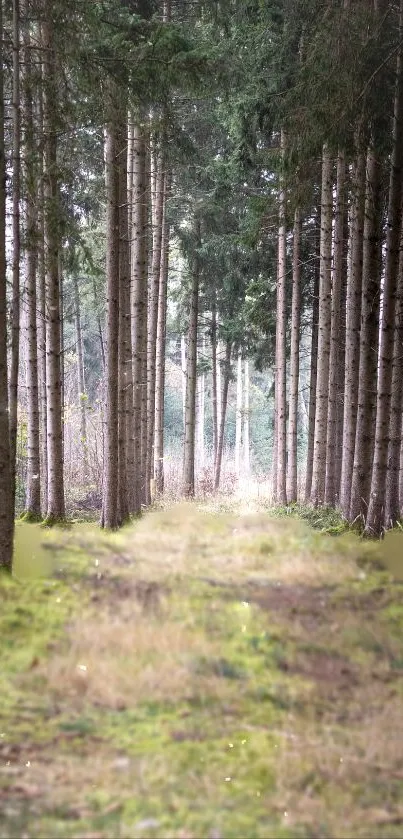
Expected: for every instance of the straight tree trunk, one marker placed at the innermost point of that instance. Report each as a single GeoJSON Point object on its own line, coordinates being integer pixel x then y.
{"type": "Point", "coordinates": [238, 417]}
{"type": "Point", "coordinates": [110, 513]}
{"type": "Point", "coordinates": [214, 375]}
{"type": "Point", "coordinates": [33, 494]}
{"type": "Point", "coordinates": [368, 363]}
{"type": "Point", "coordinates": [280, 490]}
{"type": "Point", "coordinates": [341, 361]}
{"type": "Point", "coordinates": [183, 369]}
{"type": "Point", "coordinates": [125, 379]}
{"type": "Point", "coordinates": [332, 485]}
{"type": "Point", "coordinates": [6, 501]}
{"type": "Point", "coordinates": [15, 310]}
{"type": "Point", "coordinates": [157, 218]}
{"type": "Point", "coordinates": [82, 396]}
{"type": "Point", "coordinates": [246, 422]}
{"type": "Point", "coordinates": [200, 419]}
{"type": "Point", "coordinates": [324, 334]}
{"type": "Point", "coordinates": [353, 322]}
{"type": "Point", "coordinates": [313, 377]}
{"type": "Point", "coordinates": [41, 297]}
{"type": "Point", "coordinates": [392, 505]}
{"type": "Point", "coordinates": [139, 233]}
{"type": "Point", "coordinates": [161, 343]}
{"type": "Point", "coordinates": [56, 508]}
{"type": "Point", "coordinates": [191, 381]}
{"type": "Point", "coordinates": [292, 472]}
{"type": "Point", "coordinates": [376, 509]}
{"type": "Point", "coordinates": [224, 403]}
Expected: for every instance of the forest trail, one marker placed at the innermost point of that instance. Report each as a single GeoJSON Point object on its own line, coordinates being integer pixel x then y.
{"type": "Point", "coordinates": [202, 673]}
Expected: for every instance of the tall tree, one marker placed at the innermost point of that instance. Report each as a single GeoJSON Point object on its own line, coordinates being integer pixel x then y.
{"type": "Point", "coordinates": [33, 493]}
{"type": "Point", "coordinates": [375, 520]}
{"type": "Point", "coordinates": [56, 506]}
{"type": "Point", "coordinates": [332, 489]}
{"type": "Point", "coordinates": [15, 311]}
{"type": "Point", "coordinates": [324, 331]}
{"type": "Point", "coordinates": [110, 511]}
{"type": "Point", "coordinates": [280, 489]}
{"type": "Point", "coordinates": [292, 476]}
{"type": "Point", "coordinates": [6, 506]}
{"type": "Point", "coordinates": [191, 376]}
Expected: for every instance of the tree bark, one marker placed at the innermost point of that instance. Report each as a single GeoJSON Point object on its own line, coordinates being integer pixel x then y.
{"type": "Point", "coordinates": [157, 216]}
{"type": "Point", "coordinates": [33, 494]}
{"type": "Point", "coordinates": [313, 376]}
{"type": "Point", "coordinates": [214, 375]}
{"type": "Point", "coordinates": [292, 471]}
{"type": "Point", "coordinates": [161, 342]}
{"type": "Point", "coordinates": [280, 490]}
{"type": "Point", "coordinates": [376, 509]}
{"type": "Point", "coordinates": [82, 396]}
{"type": "Point", "coordinates": [56, 508]}
{"type": "Point", "coordinates": [368, 353]}
{"type": "Point", "coordinates": [324, 335]}
{"type": "Point", "coordinates": [392, 505]}
{"type": "Point", "coordinates": [139, 233]}
{"type": "Point", "coordinates": [353, 321]}
{"type": "Point", "coordinates": [238, 417]}
{"type": "Point", "coordinates": [246, 422]}
{"type": "Point", "coordinates": [224, 402]}
{"type": "Point", "coordinates": [191, 380]}
{"type": "Point", "coordinates": [41, 296]}
{"type": "Point", "coordinates": [16, 196]}
{"type": "Point", "coordinates": [6, 500]}
{"type": "Point", "coordinates": [110, 517]}
{"type": "Point", "coordinates": [125, 379]}
{"type": "Point", "coordinates": [332, 487]}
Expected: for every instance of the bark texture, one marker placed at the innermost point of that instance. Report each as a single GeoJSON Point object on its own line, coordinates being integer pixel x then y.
{"type": "Point", "coordinates": [292, 472]}
{"type": "Point", "coordinates": [324, 334]}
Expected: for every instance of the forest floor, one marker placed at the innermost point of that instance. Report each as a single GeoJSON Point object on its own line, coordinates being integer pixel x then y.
{"type": "Point", "coordinates": [203, 673]}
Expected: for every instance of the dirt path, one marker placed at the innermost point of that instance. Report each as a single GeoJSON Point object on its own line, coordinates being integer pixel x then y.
{"type": "Point", "coordinates": [203, 675]}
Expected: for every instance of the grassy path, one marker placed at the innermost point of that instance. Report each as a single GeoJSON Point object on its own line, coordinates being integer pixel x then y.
{"type": "Point", "coordinates": [202, 675]}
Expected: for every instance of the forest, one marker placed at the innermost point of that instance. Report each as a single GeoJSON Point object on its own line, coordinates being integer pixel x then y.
{"type": "Point", "coordinates": [201, 418]}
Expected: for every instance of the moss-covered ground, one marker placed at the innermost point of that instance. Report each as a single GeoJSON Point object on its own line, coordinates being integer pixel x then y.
{"type": "Point", "coordinates": [200, 674]}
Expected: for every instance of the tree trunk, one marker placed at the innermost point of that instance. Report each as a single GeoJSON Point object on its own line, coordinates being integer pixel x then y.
{"type": "Point", "coordinates": [161, 342]}
{"type": "Point", "coordinates": [157, 216]}
{"type": "Point", "coordinates": [246, 423]}
{"type": "Point", "coordinates": [224, 402]}
{"type": "Point", "coordinates": [200, 420]}
{"type": "Point", "coordinates": [33, 494]}
{"type": "Point", "coordinates": [15, 310]}
{"type": "Point", "coordinates": [392, 506]}
{"type": "Point", "coordinates": [82, 396]}
{"type": "Point", "coordinates": [324, 334]}
{"type": "Point", "coordinates": [353, 321]}
{"type": "Point", "coordinates": [313, 376]}
{"type": "Point", "coordinates": [376, 509]}
{"type": "Point", "coordinates": [139, 309]}
{"type": "Point", "coordinates": [183, 370]}
{"type": "Point", "coordinates": [191, 381]}
{"type": "Point", "coordinates": [125, 379]}
{"type": "Point", "coordinates": [332, 487]}
{"type": "Point", "coordinates": [280, 490]}
{"type": "Point", "coordinates": [41, 295]}
{"type": "Point", "coordinates": [368, 363]}
{"type": "Point", "coordinates": [292, 474]}
{"type": "Point", "coordinates": [6, 501]}
{"type": "Point", "coordinates": [214, 374]}
{"type": "Point", "coordinates": [110, 517]}
{"type": "Point", "coordinates": [238, 418]}
{"type": "Point", "coordinates": [56, 509]}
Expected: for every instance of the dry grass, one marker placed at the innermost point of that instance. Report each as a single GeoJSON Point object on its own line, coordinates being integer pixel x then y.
{"type": "Point", "coordinates": [122, 659]}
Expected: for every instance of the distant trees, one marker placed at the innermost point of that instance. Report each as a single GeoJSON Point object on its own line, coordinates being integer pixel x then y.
{"type": "Point", "coordinates": [264, 227]}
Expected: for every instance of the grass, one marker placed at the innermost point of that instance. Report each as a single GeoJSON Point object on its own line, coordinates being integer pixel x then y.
{"type": "Point", "coordinates": [200, 674]}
